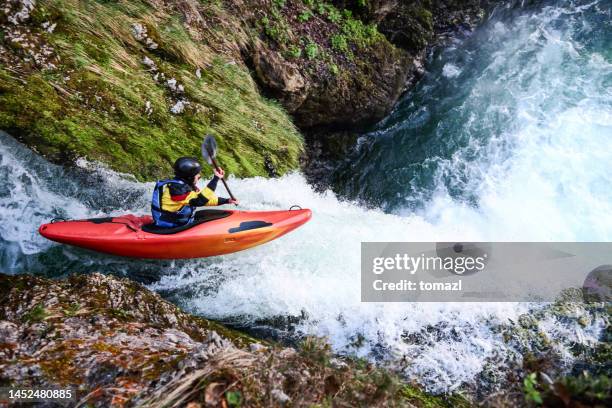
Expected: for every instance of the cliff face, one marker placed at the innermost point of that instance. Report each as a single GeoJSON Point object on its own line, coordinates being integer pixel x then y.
{"type": "Point", "coordinates": [118, 344]}
{"type": "Point", "coordinates": [329, 68]}
{"type": "Point", "coordinates": [135, 84]}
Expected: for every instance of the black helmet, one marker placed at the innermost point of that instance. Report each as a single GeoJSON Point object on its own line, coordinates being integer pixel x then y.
{"type": "Point", "coordinates": [187, 167]}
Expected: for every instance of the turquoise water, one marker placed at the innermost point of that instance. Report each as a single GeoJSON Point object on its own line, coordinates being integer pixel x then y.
{"type": "Point", "coordinates": [523, 101]}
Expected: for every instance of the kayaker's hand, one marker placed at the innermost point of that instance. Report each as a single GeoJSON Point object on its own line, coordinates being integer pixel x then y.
{"type": "Point", "coordinates": [232, 201]}
{"type": "Point", "coordinates": [219, 172]}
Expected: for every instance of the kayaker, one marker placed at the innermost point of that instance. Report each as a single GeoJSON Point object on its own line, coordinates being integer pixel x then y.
{"type": "Point", "coordinates": [174, 201]}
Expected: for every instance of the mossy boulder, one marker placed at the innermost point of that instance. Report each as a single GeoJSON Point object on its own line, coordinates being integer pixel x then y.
{"type": "Point", "coordinates": [116, 343]}
{"type": "Point", "coordinates": [329, 68]}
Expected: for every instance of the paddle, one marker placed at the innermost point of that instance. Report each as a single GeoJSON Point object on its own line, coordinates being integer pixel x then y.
{"type": "Point", "coordinates": [209, 152]}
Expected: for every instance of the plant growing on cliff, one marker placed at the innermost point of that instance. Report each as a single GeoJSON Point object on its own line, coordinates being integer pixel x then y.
{"type": "Point", "coordinates": [91, 103]}
{"type": "Point", "coordinates": [294, 51]}
{"type": "Point", "coordinates": [304, 16]}
{"type": "Point", "coordinates": [333, 15]}
{"type": "Point", "coordinates": [333, 68]}
{"type": "Point", "coordinates": [37, 314]}
{"type": "Point", "coordinates": [530, 384]}
{"type": "Point", "coordinates": [339, 43]}
{"type": "Point", "coordinates": [361, 34]}
{"type": "Point", "coordinates": [312, 50]}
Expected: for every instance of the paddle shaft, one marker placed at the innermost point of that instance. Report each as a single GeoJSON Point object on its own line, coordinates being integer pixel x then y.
{"type": "Point", "coordinates": [214, 162]}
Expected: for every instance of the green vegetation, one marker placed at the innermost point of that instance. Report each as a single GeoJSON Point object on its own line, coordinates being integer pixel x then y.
{"type": "Point", "coordinates": [294, 51]}
{"type": "Point", "coordinates": [71, 310]}
{"type": "Point", "coordinates": [530, 384]}
{"type": "Point", "coordinates": [312, 50]}
{"type": "Point", "coordinates": [102, 102]}
{"type": "Point", "coordinates": [339, 43]}
{"type": "Point", "coordinates": [37, 314]}
{"type": "Point", "coordinates": [348, 30]}
{"type": "Point", "coordinates": [333, 68]}
{"type": "Point", "coordinates": [276, 29]}
{"type": "Point", "coordinates": [334, 15]}
{"type": "Point", "coordinates": [304, 16]}
{"type": "Point", "coordinates": [234, 398]}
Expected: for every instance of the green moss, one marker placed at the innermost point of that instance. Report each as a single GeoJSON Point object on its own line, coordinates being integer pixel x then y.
{"type": "Point", "coordinates": [339, 42]}
{"type": "Point", "coordinates": [59, 367]}
{"type": "Point", "coordinates": [312, 50]}
{"type": "Point", "coordinates": [71, 310]}
{"type": "Point", "coordinates": [94, 104]}
{"type": "Point", "coordinates": [37, 314]}
{"type": "Point", "coordinates": [419, 398]}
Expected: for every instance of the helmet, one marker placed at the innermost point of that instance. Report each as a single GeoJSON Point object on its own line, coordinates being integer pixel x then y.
{"type": "Point", "coordinates": [187, 167]}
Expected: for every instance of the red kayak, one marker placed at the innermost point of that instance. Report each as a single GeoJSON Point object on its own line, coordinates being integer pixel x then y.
{"type": "Point", "coordinates": [214, 232]}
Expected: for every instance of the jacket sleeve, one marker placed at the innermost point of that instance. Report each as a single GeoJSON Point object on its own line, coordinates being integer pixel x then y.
{"type": "Point", "coordinates": [207, 196]}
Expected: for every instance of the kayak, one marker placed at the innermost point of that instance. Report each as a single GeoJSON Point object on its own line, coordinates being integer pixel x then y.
{"type": "Point", "coordinates": [213, 232]}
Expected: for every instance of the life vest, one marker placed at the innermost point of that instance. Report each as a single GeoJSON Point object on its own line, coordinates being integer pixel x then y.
{"type": "Point", "coordinates": [169, 219]}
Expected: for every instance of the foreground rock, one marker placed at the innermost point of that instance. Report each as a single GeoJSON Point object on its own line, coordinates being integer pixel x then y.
{"type": "Point", "coordinates": [118, 343]}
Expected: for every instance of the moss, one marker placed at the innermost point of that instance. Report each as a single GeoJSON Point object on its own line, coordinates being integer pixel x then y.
{"type": "Point", "coordinates": [59, 367]}
{"type": "Point", "coordinates": [157, 364]}
{"type": "Point", "coordinates": [93, 105]}
{"type": "Point", "coordinates": [101, 346]}
{"type": "Point", "coordinates": [37, 314]}
{"type": "Point", "coordinates": [419, 398]}
{"type": "Point", "coordinates": [71, 310]}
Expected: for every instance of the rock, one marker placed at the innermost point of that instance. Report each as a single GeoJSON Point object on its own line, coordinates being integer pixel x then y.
{"type": "Point", "coordinates": [179, 107]}
{"type": "Point", "coordinates": [371, 11]}
{"type": "Point", "coordinates": [139, 32]}
{"type": "Point", "coordinates": [8, 332]}
{"type": "Point", "coordinates": [138, 358]}
{"type": "Point", "coordinates": [280, 78]}
{"type": "Point", "coordinates": [280, 396]}
{"type": "Point", "coordinates": [338, 364]}
{"type": "Point", "coordinates": [18, 11]}
{"type": "Point", "coordinates": [255, 347]}
{"type": "Point", "coordinates": [287, 353]}
{"type": "Point", "coordinates": [213, 393]}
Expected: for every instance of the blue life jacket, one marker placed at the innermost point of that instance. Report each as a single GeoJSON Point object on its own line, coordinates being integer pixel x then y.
{"type": "Point", "coordinates": [169, 219]}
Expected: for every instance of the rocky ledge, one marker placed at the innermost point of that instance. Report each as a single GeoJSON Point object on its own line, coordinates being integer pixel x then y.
{"type": "Point", "coordinates": [119, 344]}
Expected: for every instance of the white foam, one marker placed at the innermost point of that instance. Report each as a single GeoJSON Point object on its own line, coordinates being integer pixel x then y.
{"type": "Point", "coordinates": [451, 71]}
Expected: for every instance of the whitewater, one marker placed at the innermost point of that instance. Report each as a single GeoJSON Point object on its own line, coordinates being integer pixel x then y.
{"type": "Point", "coordinates": [543, 173]}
